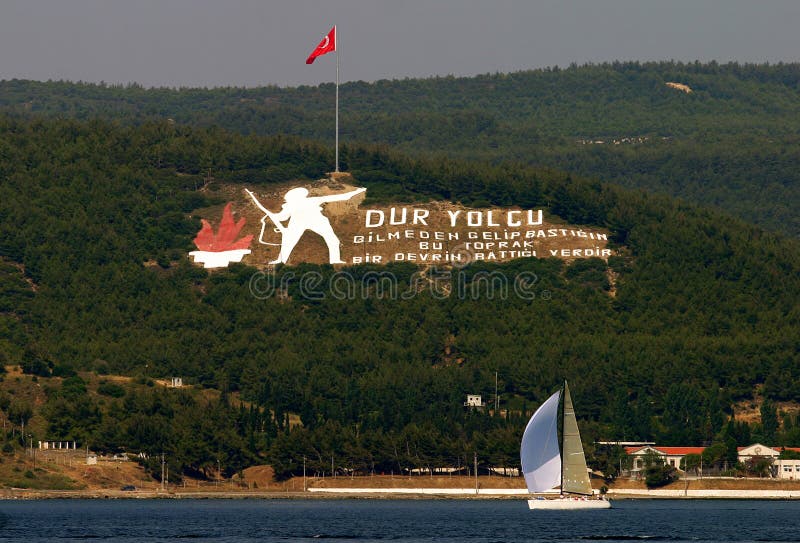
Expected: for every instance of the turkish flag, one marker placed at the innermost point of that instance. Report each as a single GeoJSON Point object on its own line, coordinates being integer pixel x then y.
{"type": "Point", "coordinates": [327, 45]}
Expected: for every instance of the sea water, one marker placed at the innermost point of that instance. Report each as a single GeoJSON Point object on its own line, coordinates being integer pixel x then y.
{"type": "Point", "coordinates": [363, 521]}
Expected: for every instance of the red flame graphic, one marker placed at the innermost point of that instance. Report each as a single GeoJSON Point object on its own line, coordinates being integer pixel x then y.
{"type": "Point", "coordinates": [206, 240]}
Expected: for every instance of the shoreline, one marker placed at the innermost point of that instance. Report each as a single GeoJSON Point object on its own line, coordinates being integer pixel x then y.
{"type": "Point", "coordinates": [392, 494]}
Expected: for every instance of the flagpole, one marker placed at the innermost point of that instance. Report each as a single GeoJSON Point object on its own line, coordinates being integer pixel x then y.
{"type": "Point", "coordinates": [336, 37]}
{"type": "Point", "coordinates": [330, 44]}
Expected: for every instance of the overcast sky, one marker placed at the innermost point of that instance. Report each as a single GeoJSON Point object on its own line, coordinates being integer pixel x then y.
{"type": "Point", "coordinates": [191, 43]}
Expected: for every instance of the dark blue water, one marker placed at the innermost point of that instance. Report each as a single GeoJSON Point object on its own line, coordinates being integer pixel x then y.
{"type": "Point", "coordinates": [363, 521]}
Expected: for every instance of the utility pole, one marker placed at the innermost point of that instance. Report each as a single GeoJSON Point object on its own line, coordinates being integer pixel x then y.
{"type": "Point", "coordinates": [475, 460]}
{"type": "Point", "coordinates": [162, 471]}
{"type": "Point", "coordinates": [304, 473]}
{"type": "Point", "coordinates": [496, 397]}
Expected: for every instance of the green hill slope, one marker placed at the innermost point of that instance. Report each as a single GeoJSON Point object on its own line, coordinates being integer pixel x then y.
{"type": "Point", "coordinates": [730, 143]}
{"type": "Point", "coordinates": [96, 222]}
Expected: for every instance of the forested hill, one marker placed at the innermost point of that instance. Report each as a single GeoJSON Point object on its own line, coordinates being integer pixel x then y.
{"type": "Point", "coordinates": [696, 313]}
{"type": "Point", "coordinates": [732, 142]}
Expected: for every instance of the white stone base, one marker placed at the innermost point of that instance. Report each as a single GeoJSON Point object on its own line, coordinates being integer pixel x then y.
{"type": "Point", "coordinates": [221, 259]}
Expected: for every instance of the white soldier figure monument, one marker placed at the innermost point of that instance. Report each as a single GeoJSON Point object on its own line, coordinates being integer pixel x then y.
{"type": "Point", "coordinates": [303, 212]}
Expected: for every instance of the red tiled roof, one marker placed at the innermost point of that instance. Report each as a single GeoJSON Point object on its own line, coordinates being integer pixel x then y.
{"type": "Point", "coordinates": [631, 450]}
{"type": "Point", "coordinates": [671, 451]}
{"type": "Point", "coordinates": [682, 450]}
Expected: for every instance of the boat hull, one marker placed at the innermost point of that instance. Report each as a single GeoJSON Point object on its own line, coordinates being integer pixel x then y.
{"type": "Point", "coordinates": [563, 504]}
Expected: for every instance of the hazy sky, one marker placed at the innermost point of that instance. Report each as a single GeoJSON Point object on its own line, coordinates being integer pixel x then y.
{"type": "Point", "coordinates": [255, 42]}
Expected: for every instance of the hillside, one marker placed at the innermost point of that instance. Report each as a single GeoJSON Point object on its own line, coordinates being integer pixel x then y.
{"type": "Point", "coordinates": [731, 143]}
{"type": "Point", "coordinates": [97, 220]}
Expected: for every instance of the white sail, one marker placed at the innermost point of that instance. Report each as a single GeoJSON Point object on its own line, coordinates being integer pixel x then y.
{"type": "Point", "coordinates": [541, 460]}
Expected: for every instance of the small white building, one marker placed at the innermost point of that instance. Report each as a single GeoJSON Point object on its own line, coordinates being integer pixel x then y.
{"type": "Point", "coordinates": [177, 382]}
{"type": "Point", "coordinates": [506, 471]}
{"type": "Point", "coordinates": [788, 469]}
{"type": "Point", "coordinates": [58, 445]}
{"type": "Point", "coordinates": [474, 400]}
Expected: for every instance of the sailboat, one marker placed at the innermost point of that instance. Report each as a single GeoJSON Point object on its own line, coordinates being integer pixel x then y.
{"type": "Point", "coordinates": [547, 466]}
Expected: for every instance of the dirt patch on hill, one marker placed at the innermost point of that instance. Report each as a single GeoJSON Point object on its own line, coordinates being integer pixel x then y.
{"type": "Point", "coordinates": [261, 475]}
{"type": "Point", "coordinates": [113, 475]}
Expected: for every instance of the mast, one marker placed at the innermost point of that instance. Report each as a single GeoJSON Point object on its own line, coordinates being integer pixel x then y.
{"type": "Point", "coordinates": [563, 433]}
{"type": "Point", "coordinates": [336, 34]}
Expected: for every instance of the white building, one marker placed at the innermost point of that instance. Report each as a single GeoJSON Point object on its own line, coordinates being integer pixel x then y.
{"type": "Point", "coordinates": [58, 445]}
{"type": "Point", "coordinates": [788, 469]}
{"type": "Point", "coordinates": [757, 450]}
{"type": "Point", "coordinates": [783, 468]}
{"type": "Point", "coordinates": [474, 400]}
{"type": "Point", "coordinates": [672, 456]}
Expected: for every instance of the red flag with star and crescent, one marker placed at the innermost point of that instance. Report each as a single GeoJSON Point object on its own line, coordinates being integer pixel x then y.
{"type": "Point", "coordinates": [327, 45]}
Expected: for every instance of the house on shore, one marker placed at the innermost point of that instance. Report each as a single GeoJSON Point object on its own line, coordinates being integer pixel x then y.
{"type": "Point", "coordinates": [672, 456]}
{"type": "Point", "coordinates": [782, 468]}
